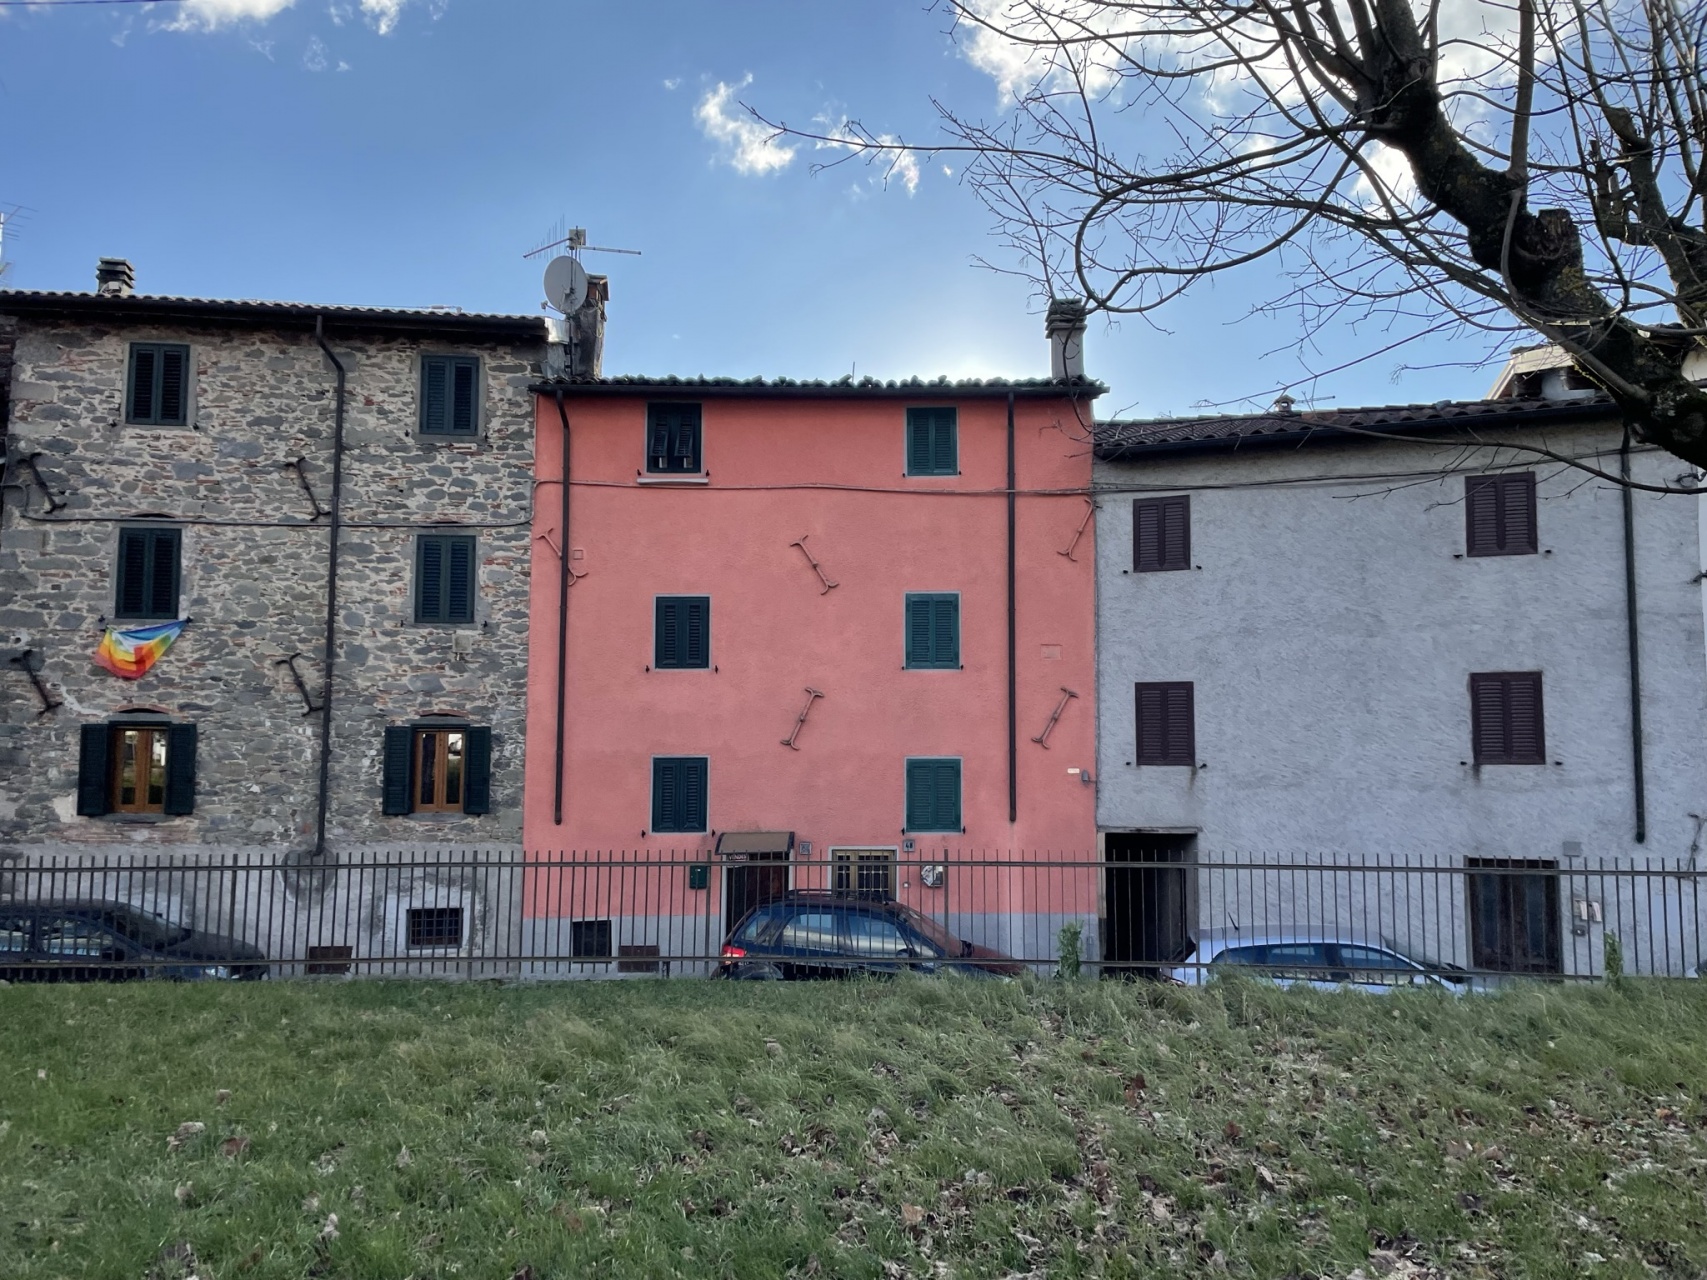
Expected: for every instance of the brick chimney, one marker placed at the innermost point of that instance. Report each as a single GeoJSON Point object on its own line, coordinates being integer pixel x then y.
{"type": "Point", "coordinates": [115, 278]}
{"type": "Point", "coordinates": [588, 329]}
{"type": "Point", "coordinates": [1065, 324]}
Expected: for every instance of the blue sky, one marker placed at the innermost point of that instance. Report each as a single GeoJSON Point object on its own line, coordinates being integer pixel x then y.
{"type": "Point", "coordinates": [408, 152]}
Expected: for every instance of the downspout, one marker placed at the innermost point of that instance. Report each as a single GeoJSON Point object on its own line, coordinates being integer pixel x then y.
{"type": "Point", "coordinates": [1013, 709]}
{"type": "Point", "coordinates": [562, 614]}
{"type": "Point", "coordinates": [337, 519]}
{"type": "Point", "coordinates": [1639, 779]}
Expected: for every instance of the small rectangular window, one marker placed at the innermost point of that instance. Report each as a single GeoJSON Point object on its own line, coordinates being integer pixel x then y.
{"type": "Point", "coordinates": [157, 385]}
{"type": "Point", "coordinates": [439, 770]}
{"type": "Point", "coordinates": [672, 439]}
{"type": "Point", "coordinates": [933, 630]}
{"type": "Point", "coordinates": [435, 926]}
{"type": "Point", "coordinates": [679, 793]}
{"type": "Point", "coordinates": [1499, 515]}
{"type": "Point", "coordinates": [444, 578]}
{"type": "Point", "coordinates": [1161, 533]}
{"type": "Point", "coordinates": [1166, 723]}
{"type": "Point", "coordinates": [933, 443]}
{"type": "Point", "coordinates": [1505, 718]}
{"type": "Point", "coordinates": [136, 768]}
{"type": "Point", "coordinates": [682, 632]}
{"type": "Point", "coordinates": [933, 794]}
{"type": "Point", "coordinates": [589, 939]}
{"type": "Point", "coordinates": [147, 574]}
{"type": "Point", "coordinates": [863, 873]}
{"type": "Point", "coordinates": [450, 395]}
{"type": "Point", "coordinates": [1514, 915]}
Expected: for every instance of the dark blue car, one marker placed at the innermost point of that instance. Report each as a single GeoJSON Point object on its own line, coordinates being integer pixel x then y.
{"type": "Point", "coordinates": [114, 942]}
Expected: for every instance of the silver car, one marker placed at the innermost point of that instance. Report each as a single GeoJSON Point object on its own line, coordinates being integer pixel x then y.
{"type": "Point", "coordinates": [1325, 960]}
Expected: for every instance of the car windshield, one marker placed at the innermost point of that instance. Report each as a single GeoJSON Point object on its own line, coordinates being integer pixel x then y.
{"type": "Point", "coordinates": [932, 932]}
{"type": "Point", "coordinates": [1423, 960]}
{"type": "Point", "coordinates": [139, 925]}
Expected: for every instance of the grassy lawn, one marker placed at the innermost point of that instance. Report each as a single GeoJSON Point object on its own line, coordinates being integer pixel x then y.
{"type": "Point", "coordinates": [914, 1128]}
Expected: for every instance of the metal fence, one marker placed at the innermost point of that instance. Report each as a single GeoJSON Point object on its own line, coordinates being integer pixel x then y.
{"type": "Point", "coordinates": [1144, 912]}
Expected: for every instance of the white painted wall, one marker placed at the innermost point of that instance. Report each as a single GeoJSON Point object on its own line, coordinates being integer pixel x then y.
{"type": "Point", "coordinates": [1330, 629]}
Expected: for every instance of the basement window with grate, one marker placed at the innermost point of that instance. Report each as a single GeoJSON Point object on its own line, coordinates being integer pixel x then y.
{"type": "Point", "coordinates": [435, 926]}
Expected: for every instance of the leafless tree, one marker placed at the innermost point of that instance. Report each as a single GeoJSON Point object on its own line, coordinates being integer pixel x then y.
{"type": "Point", "coordinates": [1460, 163]}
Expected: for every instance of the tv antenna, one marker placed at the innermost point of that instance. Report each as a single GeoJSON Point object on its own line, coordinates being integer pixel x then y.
{"type": "Point", "coordinates": [565, 278]}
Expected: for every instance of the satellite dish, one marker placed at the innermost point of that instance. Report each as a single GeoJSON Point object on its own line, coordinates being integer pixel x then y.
{"type": "Point", "coordinates": [565, 285]}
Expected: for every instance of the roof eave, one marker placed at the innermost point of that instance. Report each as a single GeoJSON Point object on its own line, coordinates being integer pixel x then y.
{"type": "Point", "coordinates": [1082, 390]}
{"type": "Point", "coordinates": [273, 315]}
{"type": "Point", "coordinates": [1321, 433]}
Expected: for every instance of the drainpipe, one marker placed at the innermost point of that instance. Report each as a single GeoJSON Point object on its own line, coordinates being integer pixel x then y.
{"type": "Point", "coordinates": [337, 514]}
{"type": "Point", "coordinates": [1635, 656]}
{"type": "Point", "coordinates": [562, 614]}
{"type": "Point", "coordinates": [1013, 709]}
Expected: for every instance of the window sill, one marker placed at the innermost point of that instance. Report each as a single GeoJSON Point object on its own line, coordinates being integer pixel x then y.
{"type": "Point", "coordinates": [160, 426]}
{"type": "Point", "coordinates": [140, 819]}
{"type": "Point", "coordinates": [703, 477]}
{"type": "Point", "coordinates": [929, 475]}
{"type": "Point", "coordinates": [437, 817]}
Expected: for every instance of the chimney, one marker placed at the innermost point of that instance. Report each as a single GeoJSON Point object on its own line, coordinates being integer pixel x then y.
{"type": "Point", "coordinates": [1065, 325]}
{"type": "Point", "coordinates": [587, 333]}
{"type": "Point", "coordinates": [115, 278]}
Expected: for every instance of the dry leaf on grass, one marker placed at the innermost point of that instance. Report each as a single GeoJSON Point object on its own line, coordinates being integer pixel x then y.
{"type": "Point", "coordinates": [912, 1215]}
{"type": "Point", "coordinates": [773, 1048]}
{"type": "Point", "coordinates": [1134, 1087]}
{"type": "Point", "coordinates": [329, 1230]}
{"type": "Point", "coordinates": [1232, 1131]}
{"type": "Point", "coordinates": [404, 1159]}
{"type": "Point", "coordinates": [221, 1097]}
{"type": "Point", "coordinates": [233, 1147]}
{"type": "Point", "coordinates": [185, 1194]}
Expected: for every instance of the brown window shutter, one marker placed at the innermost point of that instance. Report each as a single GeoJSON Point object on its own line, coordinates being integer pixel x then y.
{"type": "Point", "coordinates": [1166, 727]}
{"type": "Point", "coordinates": [1161, 533]}
{"type": "Point", "coordinates": [1505, 718]}
{"type": "Point", "coordinates": [1499, 515]}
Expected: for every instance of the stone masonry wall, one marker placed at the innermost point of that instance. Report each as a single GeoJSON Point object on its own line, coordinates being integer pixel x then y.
{"type": "Point", "coordinates": [254, 581]}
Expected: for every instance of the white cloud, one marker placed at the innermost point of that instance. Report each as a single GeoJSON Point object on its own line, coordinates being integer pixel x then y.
{"type": "Point", "coordinates": [748, 145]}
{"type": "Point", "coordinates": [314, 56]}
{"type": "Point", "coordinates": [383, 14]}
{"type": "Point", "coordinates": [899, 165]}
{"type": "Point", "coordinates": [339, 13]}
{"type": "Point", "coordinates": [674, 82]}
{"type": "Point", "coordinates": [209, 15]}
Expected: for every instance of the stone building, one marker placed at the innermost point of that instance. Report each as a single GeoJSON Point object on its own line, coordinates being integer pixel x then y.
{"type": "Point", "coordinates": [297, 483]}
{"type": "Point", "coordinates": [1392, 638]}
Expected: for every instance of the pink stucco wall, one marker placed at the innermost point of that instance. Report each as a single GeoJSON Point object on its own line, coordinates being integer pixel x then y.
{"type": "Point", "coordinates": [773, 632]}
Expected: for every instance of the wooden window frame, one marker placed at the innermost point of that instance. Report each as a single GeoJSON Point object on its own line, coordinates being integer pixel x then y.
{"type": "Point", "coordinates": [441, 614]}
{"type": "Point", "coordinates": [430, 770]}
{"type": "Point", "coordinates": [1162, 561]}
{"type": "Point", "coordinates": [154, 537]}
{"type": "Point", "coordinates": [1500, 489]}
{"type": "Point", "coordinates": [148, 735]}
{"type": "Point", "coordinates": [1172, 754]}
{"type": "Point", "coordinates": [449, 428]}
{"type": "Point", "coordinates": [1504, 879]}
{"type": "Point", "coordinates": [929, 662]}
{"type": "Point", "coordinates": [1480, 684]}
{"type": "Point", "coordinates": [939, 423]}
{"type": "Point", "coordinates": [674, 824]}
{"type": "Point", "coordinates": [673, 436]}
{"type": "Point", "coordinates": [683, 657]}
{"type": "Point", "coordinates": [154, 416]}
{"type": "Point", "coordinates": [936, 825]}
{"type": "Point", "coordinates": [429, 939]}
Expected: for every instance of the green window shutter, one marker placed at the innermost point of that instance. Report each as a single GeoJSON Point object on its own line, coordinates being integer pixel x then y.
{"type": "Point", "coordinates": [945, 631]}
{"type": "Point", "coordinates": [180, 769]}
{"type": "Point", "coordinates": [933, 795]}
{"type": "Point", "coordinates": [672, 438]}
{"type": "Point", "coordinates": [664, 788]}
{"type": "Point", "coordinates": [693, 795]}
{"type": "Point", "coordinates": [459, 580]}
{"type": "Point", "coordinates": [429, 579]}
{"type": "Point", "coordinates": [465, 383]}
{"type": "Point", "coordinates": [682, 632]}
{"type": "Point", "coordinates": [94, 771]}
{"type": "Point", "coordinates": [144, 382]}
{"type": "Point", "coordinates": [698, 632]}
{"type": "Point", "coordinates": [666, 650]}
{"type": "Point", "coordinates": [933, 447]}
{"type": "Point", "coordinates": [477, 771]}
{"type": "Point", "coordinates": [398, 759]}
{"type": "Point", "coordinates": [174, 386]}
{"type": "Point", "coordinates": [147, 573]}
{"type": "Point", "coordinates": [933, 631]}
{"type": "Point", "coordinates": [435, 395]}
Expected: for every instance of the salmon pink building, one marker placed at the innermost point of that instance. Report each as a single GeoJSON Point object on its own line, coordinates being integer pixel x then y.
{"type": "Point", "coordinates": [811, 635]}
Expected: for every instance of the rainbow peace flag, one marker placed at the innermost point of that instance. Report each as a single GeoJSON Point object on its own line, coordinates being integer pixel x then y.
{"type": "Point", "coordinates": [130, 651]}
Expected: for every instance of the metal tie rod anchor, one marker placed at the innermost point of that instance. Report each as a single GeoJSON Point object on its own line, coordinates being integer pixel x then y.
{"type": "Point", "coordinates": [812, 695]}
{"type": "Point", "coordinates": [816, 567]}
{"type": "Point", "coordinates": [1042, 739]}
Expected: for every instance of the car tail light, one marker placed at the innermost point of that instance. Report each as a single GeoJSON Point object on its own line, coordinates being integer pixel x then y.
{"type": "Point", "coordinates": [732, 952]}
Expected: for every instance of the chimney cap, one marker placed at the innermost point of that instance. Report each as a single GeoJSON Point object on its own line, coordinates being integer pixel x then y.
{"type": "Point", "coordinates": [1064, 313]}
{"type": "Point", "coordinates": [115, 277]}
